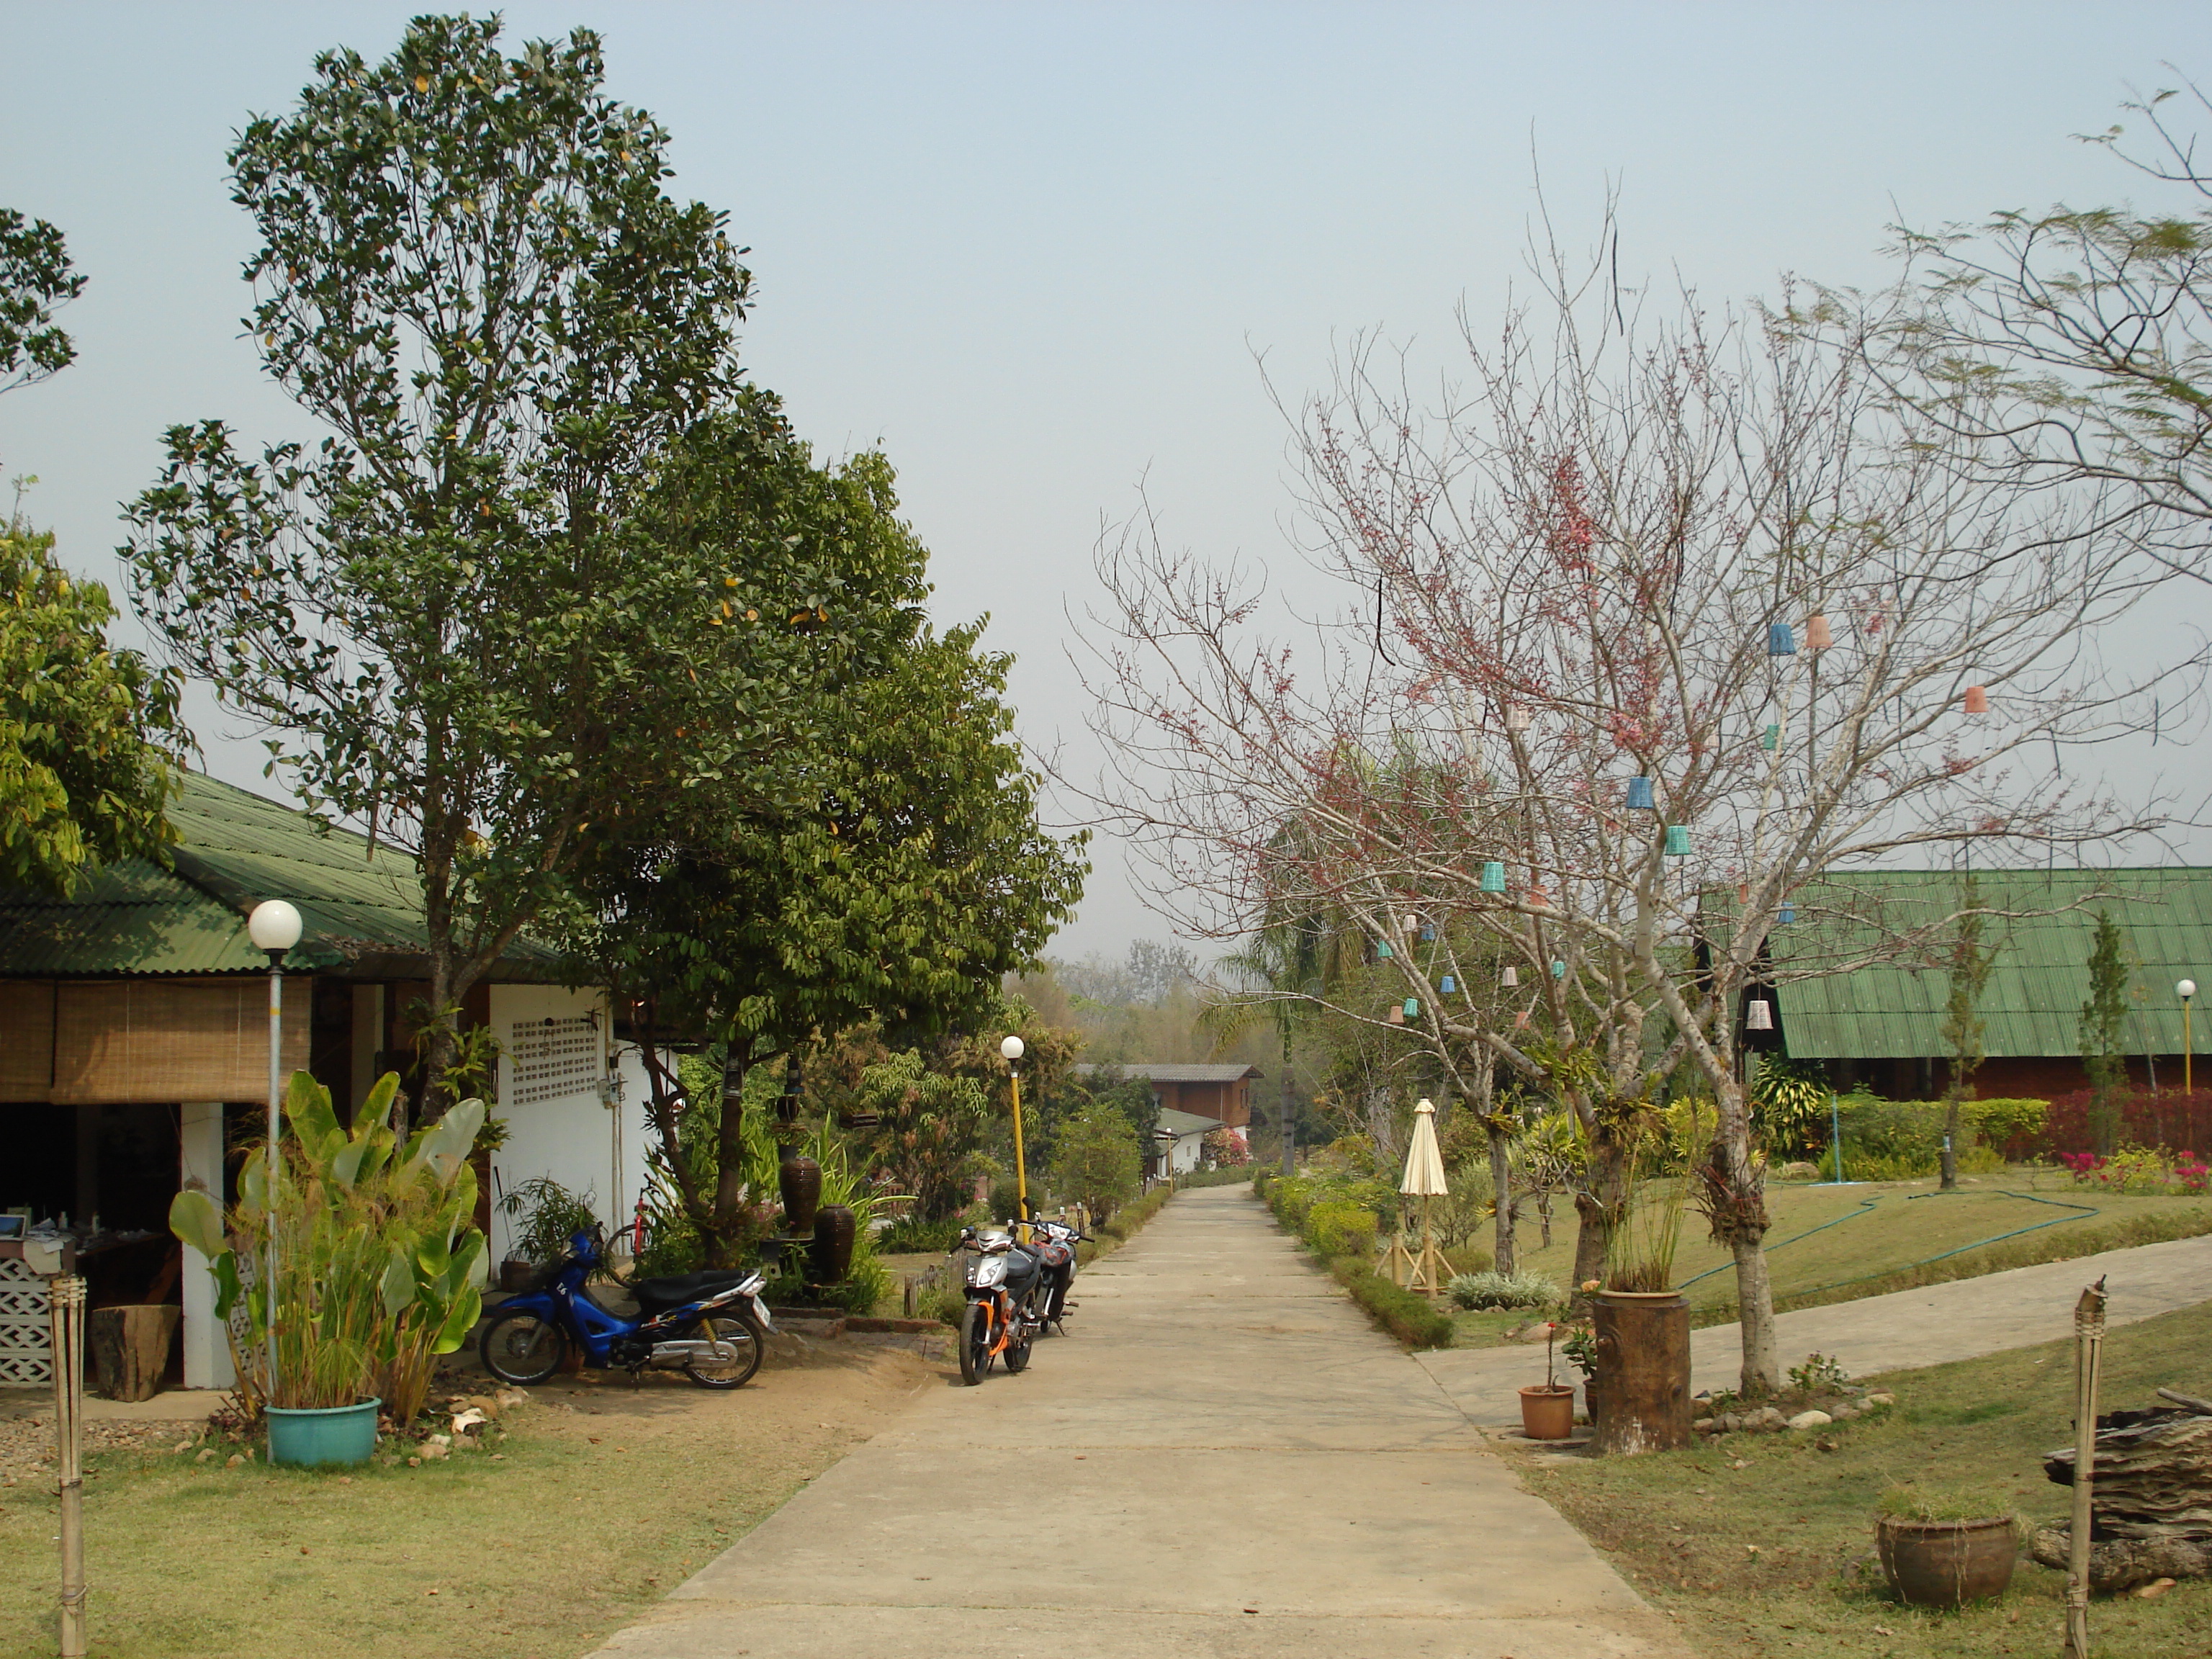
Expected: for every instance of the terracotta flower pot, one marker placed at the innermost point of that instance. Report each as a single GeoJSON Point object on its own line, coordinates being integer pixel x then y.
{"type": "Point", "coordinates": [1547, 1411]}
{"type": "Point", "coordinates": [1946, 1564]}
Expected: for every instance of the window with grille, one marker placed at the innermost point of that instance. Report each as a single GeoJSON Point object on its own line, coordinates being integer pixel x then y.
{"type": "Point", "coordinates": [552, 1058]}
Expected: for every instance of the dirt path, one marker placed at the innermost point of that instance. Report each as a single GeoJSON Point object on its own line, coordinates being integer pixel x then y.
{"type": "Point", "coordinates": [1930, 1326]}
{"type": "Point", "coordinates": [1224, 1459]}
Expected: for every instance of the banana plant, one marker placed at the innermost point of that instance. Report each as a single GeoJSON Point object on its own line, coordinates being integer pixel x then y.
{"type": "Point", "coordinates": [376, 1256]}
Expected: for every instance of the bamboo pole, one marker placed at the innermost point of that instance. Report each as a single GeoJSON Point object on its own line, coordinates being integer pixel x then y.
{"type": "Point", "coordinates": [66, 1300]}
{"type": "Point", "coordinates": [2088, 1360]}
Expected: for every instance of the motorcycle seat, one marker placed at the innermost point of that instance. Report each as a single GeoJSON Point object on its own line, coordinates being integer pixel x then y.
{"type": "Point", "coordinates": [1021, 1269]}
{"type": "Point", "coordinates": [658, 1295]}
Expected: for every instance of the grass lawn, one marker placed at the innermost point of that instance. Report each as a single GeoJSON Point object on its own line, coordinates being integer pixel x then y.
{"type": "Point", "coordinates": [1870, 1231]}
{"type": "Point", "coordinates": [1684, 1525]}
{"type": "Point", "coordinates": [601, 1499]}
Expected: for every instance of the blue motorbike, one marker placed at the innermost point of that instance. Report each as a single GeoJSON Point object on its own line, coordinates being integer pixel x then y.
{"type": "Point", "coordinates": [712, 1326]}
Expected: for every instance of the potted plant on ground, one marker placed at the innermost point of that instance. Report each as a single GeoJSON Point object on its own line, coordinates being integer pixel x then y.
{"type": "Point", "coordinates": [1548, 1412]}
{"type": "Point", "coordinates": [375, 1268]}
{"type": "Point", "coordinates": [1946, 1549]}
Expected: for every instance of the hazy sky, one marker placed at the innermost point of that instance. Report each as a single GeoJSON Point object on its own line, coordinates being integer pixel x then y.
{"type": "Point", "coordinates": [1035, 251]}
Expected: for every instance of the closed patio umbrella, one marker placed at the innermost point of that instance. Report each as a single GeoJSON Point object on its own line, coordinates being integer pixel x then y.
{"type": "Point", "coordinates": [1424, 1179]}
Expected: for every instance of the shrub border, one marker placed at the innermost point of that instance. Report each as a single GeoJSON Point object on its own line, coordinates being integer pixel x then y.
{"type": "Point", "coordinates": [1410, 1318]}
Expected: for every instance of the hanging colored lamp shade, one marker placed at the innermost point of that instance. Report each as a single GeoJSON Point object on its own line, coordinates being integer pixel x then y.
{"type": "Point", "coordinates": [1413, 1008]}
{"type": "Point", "coordinates": [1770, 738]}
{"type": "Point", "coordinates": [1537, 896]}
{"type": "Point", "coordinates": [1559, 968]}
{"type": "Point", "coordinates": [1428, 933]}
{"type": "Point", "coordinates": [1447, 985]}
{"type": "Point", "coordinates": [1978, 700]}
{"type": "Point", "coordinates": [1759, 1015]}
{"type": "Point", "coordinates": [1780, 641]}
{"type": "Point", "coordinates": [1516, 718]}
{"type": "Point", "coordinates": [1493, 876]}
{"type": "Point", "coordinates": [1397, 1015]}
{"type": "Point", "coordinates": [1678, 841]}
{"type": "Point", "coordinates": [1383, 949]}
{"type": "Point", "coordinates": [1817, 636]}
{"type": "Point", "coordinates": [1640, 795]}
{"type": "Point", "coordinates": [1510, 977]}
{"type": "Point", "coordinates": [1787, 914]}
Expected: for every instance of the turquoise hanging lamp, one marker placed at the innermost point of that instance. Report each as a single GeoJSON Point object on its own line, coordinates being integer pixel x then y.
{"type": "Point", "coordinates": [1383, 950]}
{"type": "Point", "coordinates": [1493, 876]}
{"type": "Point", "coordinates": [1413, 1008]}
{"type": "Point", "coordinates": [1559, 967]}
{"type": "Point", "coordinates": [1678, 841]}
{"type": "Point", "coordinates": [1639, 796]}
{"type": "Point", "coordinates": [1770, 738]}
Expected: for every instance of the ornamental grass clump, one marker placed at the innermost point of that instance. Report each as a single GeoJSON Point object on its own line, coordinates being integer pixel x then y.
{"type": "Point", "coordinates": [1496, 1289]}
{"type": "Point", "coordinates": [376, 1256]}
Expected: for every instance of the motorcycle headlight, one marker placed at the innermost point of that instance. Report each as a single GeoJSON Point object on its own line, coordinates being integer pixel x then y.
{"type": "Point", "coordinates": [987, 1271]}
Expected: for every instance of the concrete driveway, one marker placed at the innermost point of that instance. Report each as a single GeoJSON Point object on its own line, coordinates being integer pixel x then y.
{"type": "Point", "coordinates": [1224, 1459]}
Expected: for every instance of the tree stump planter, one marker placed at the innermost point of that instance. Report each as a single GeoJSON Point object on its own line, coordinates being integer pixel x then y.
{"type": "Point", "coordinates": [131, 1348]}
{"type": "Point", "coordinates": [1947, 1564]}
{"type": "Point", "coordinates": [1640, 1392]}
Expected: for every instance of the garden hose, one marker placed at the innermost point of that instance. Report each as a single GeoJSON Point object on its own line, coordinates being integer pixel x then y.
{"type": "Point", "coordinates": [1866, 1207]}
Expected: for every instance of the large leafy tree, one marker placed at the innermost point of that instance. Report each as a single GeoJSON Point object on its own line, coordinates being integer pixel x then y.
{"type": "Point", "coordinates": [901, 887]}
{"type": "Point", "coordinates": [90, 737]}
{"type": "Point", "coordinates": [36, 279]}
{"type": "Point", "coordinates": [453, 616]}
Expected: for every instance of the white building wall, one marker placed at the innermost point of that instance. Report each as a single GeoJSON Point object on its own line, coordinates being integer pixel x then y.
{"type": "Point", "coordinates": [573, 1102]}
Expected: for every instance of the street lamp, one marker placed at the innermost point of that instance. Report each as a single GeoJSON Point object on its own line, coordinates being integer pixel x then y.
{"type": "Point", "coordinates": [1013, 1050]}
{"type": "Point", "coordinates": [273, 926]}
{"type": "Point", "coordinates": [2185, 989]}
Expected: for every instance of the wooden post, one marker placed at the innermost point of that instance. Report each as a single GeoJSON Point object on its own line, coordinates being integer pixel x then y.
{"type": "Point", "coordinates": [2088, 1359]}
{"type": "Point", "coordinates": [67, 1301]}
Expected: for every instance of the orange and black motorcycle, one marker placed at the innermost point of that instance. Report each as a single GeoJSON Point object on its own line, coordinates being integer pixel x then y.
{"type": "Point", "coordinates": [1007, 1296]}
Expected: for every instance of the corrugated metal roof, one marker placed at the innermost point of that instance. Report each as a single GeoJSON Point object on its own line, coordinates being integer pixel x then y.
{"type": "Point", "coordinates": [2039, 977]}
{"type": "Point", "coordinates": [233, 849]}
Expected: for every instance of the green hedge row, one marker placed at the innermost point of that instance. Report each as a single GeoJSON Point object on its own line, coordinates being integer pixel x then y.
{"type": "Point", "coordinates": [1412, 1319]}
{"type": "Point", "coordinates": [1325, 1211]}
{"type": "Point", "coordinates": [1229, 1174]}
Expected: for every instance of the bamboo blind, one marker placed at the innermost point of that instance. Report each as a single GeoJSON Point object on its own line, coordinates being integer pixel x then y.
{"type": "Point", "coordinates": [26, 1040]}
{"type": "Point", "coordinates": [167, 1040]}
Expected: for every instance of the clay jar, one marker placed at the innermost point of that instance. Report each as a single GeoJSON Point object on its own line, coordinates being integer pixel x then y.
{"type": "Point", "coordinates": [1548, 1412]}
{"type": "Point", "coordinates": [829, 1257]}
{"type": "Point", "coordinates": [1946, 1564]}
{"type": "Point", "coordinates": [798, 1180]}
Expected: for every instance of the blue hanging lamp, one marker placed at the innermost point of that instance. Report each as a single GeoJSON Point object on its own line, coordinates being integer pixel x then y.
{"type": "Point", "coordinates": [1787, 914]}
{"type": "Point", "coordinates": [1559, 967]}
{"type": "Point", "coordinates": [1428, 933]}
{"type": "Point", "coordinates": [1447, 985]}
{"type": "Point", "coordinates": [1639, 796]}
{"type": "Point", "coordinates": [1780, 641]}
{"type": "Point", "coordinates": [1678, 841]}
{"type": "Point", "coordinates": [1493, 876]}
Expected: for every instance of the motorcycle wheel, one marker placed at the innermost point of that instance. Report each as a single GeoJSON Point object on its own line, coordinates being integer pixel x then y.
{"type": "Point", "coordinates": [974, 1342]}
{"type": "Point", "coordinates": [522, 1349]}
{"type": "Point", "coordinates": [739, 1331]}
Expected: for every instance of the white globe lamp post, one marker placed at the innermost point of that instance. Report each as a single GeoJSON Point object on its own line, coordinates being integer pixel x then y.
{"type": "Point", "coordinates": [274, 927]}
{"type": "Point", "coordinates": [1011, 1049]}
{"type": "Point", "coordinates": [2186, 990]}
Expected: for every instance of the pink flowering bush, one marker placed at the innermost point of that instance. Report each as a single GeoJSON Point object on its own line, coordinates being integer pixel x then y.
{"type": "Point", "coordinates": [2140, 1170]}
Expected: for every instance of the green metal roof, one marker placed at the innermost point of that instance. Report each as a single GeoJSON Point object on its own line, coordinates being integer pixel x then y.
{"type": "Point", "coordinates": [2039, 977]}
{"type": "Point", "coordinates": [233, 849]}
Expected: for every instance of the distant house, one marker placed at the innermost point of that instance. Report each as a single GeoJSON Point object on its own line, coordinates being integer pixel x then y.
{"type": "Point", "coordinates": [1880, 1025]}
{"type": "Point", "coordinates": [1193, 1101]}
{"type": "Point", "coordinates": [134, 1049]}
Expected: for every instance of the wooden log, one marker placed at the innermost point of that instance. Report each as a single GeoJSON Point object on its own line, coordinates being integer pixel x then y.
{"type": "Point", "coordinates": [2119, 1564]}
{"type": "Point", "coordinates": [2187, 1401]}
{"type": "Point", "coordinates": [130, 1347]}
{"type": "Point", "coordinates": [2154, 1475]}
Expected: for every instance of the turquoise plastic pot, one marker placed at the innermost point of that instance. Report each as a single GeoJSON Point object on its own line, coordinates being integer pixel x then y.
{"type": "Point", "coordinates": [318, 1438]}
